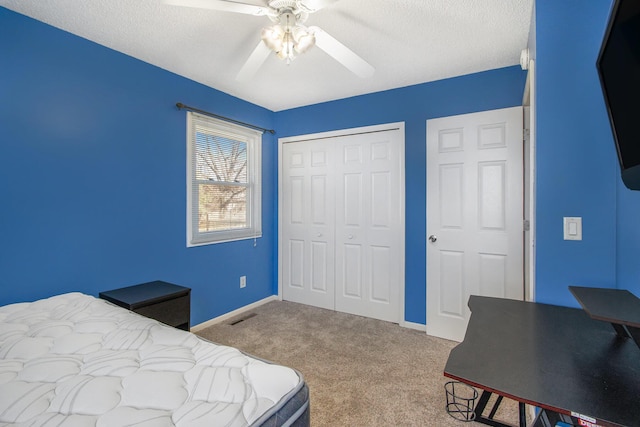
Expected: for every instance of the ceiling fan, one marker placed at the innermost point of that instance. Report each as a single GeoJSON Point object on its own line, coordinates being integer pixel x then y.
{"type": "Point", "coordinates": [288, 36]}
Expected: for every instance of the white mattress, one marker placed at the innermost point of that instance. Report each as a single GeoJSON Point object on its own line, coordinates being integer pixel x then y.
{"type": "Point", "coordinates": [75, 360]}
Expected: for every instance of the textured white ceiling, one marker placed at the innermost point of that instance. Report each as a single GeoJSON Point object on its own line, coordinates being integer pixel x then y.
{"type": "Point", "coordinates": [407, 42]}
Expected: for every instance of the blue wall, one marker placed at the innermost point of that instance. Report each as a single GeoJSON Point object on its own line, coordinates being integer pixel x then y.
{"type": "Point", "coordinates": [413, 105]}
{"type": "Point", "coordinates": [577, 173]}
{"type": "Point", "coordinates": [628, 244]}
{"type": "Point", "coordinates": [92, 184]}
{"type": "Point", "coordinates": [93, 176]}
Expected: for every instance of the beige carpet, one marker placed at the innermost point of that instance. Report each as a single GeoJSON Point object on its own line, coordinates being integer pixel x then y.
{"type": "Point", "coordinates": [360, 371]}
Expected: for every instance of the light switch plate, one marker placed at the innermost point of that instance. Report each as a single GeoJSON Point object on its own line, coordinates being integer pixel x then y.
{"type": "Point", "coordinates": [572, 228]}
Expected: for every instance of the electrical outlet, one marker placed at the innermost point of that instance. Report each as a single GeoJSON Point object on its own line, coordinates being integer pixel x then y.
{"type": "Point", "coordinates": [243, 281]}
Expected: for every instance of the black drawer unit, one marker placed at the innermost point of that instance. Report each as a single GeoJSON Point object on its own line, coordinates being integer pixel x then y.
{"type": "Point", "coordinates": [162, 301]}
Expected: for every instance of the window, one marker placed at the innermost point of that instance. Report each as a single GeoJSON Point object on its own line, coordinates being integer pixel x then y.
{"type": "Point", "coordinates": [223, 181]}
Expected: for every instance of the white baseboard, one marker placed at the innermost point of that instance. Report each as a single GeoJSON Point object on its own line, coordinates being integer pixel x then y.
{"type": "Point", "coordinates": [233, 313]}
{"type": "Point", "coordinates": [411, 325]}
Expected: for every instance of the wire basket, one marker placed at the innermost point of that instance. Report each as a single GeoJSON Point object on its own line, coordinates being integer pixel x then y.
{"type": "Point", "coordinates": [461, 400]}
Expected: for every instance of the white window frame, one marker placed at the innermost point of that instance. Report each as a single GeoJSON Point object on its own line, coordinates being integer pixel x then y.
{"type": "Point", "coordinates": [253, 139]}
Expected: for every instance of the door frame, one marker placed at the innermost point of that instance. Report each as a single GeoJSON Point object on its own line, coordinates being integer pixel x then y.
{"type": "Point", "coordinates": [529, 104]}
{"type": "Point", "coordinates": [341, 133]}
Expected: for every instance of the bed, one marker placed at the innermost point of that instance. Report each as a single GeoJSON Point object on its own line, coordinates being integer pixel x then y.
{"type": "Point", "coordinates": [74, 360]}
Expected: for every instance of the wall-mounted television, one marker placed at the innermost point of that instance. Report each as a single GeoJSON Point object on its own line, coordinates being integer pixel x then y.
{"type": "Point", "coordinates": [619, 69]}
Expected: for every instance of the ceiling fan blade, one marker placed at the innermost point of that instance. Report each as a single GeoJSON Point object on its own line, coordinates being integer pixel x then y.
{"type": "Point", "coordinates": [342, 54]}
{"type": "Point", "coordinates": [315, 5]}
{"type": "Point", "coordinates": [255, 61]}
{"type": "Point", "coordinates": [225, 6]}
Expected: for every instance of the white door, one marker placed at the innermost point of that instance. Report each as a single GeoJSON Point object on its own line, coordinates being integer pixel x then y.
{"type": "Point", "coordinates": [341, 221]}
{"type": "Point", "coordinates": [474, 214]}
{"type": "Point", "coordinates": [308, 220]}
{"type": "Point", "coordinates": [368, 225]}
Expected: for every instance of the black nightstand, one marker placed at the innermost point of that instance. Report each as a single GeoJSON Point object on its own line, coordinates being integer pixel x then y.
{"type": "Point", "coordinates": [162, 301]}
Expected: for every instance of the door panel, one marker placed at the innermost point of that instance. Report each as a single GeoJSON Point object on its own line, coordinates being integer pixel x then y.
{"type": "Point", "coordinates": [380, 274]}
{"type": "Point", "coordinates": [296, 261]}
{"type": "Point", "coordinates": [297, 200]}
{"type": "Point", "coordinates": [319, 199]}
{"type": "Point", "coordinates": [452, 272]}
{"type": "Point", "coordinates": [352, 277]}
{"type": "Point", "coordinates": [370, 200]}
{"type": "Point", "coordinates": [319, 261]}
{"type": "Point", "coordinates": [493, 272]}
{"type": "Point", "coordinates": [491, 195]}
{"type": "Point", "coordinates": [308, 225]}
{"type": "Point", "coordinates": [380, 195]}
{"type": "Point", "coordinates": [474, 212]}
{"type": "Point", "coordinates": [352, 203]}
{"type": "Point", "coordinates": [451, 179]}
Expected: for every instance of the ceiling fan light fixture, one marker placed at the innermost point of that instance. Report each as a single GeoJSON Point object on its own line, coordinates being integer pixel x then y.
{"type": "Point", "coordinates": [273, 37]}
{"type": "Point", "coordinates": [288, 48]}
{"type": "Point", "coordinates": [288, 38]}
{"type": "Point", "coordinates": [304, 39]}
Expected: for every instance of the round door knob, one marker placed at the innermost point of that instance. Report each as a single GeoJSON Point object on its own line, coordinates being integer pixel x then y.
{"type": "Point", "coordinates": [319, 234]}
{"type": "Point", "coordinates": [432, 238]}
{"type": "Point", "coordinates": [350, 236]}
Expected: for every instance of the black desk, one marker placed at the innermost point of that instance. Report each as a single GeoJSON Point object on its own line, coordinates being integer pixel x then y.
{"type": "Point", "coordinates": [555, 358]}
{"type": "Point", "coordinates": [617, 306]}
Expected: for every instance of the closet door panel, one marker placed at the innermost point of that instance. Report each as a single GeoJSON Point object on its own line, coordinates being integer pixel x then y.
{"type": "Point", "coordinates": [308, 244]}
{"type": "Point", "coordinates": [368, 205]}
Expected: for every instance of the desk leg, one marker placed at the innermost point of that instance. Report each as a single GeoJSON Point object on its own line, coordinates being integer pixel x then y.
{"type": "Point", "coordinates": [621, 330]}
{"type": "Point", "coordinates": [624, 331]}
{"type": "Point", "coordinates": [495, 407]}
{"type": "Point", "coordinates": [522, 412]}
{"type": "Point", "coordinates": [482, 404]}
{"type": "Point", "coordinates": [635, 334]}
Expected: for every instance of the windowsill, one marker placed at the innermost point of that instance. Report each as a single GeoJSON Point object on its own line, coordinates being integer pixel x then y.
{"type": "Point", "coordinates": [225, 240]}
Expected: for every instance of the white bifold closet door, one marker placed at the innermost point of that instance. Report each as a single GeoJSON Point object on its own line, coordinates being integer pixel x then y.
{"type": "Point", "coordinates": [342, 226]}
{"type": "Point", "coordinates": [308, 219]}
